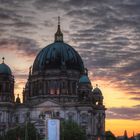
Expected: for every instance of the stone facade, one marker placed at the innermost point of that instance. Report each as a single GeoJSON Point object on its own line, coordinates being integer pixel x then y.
{"type": "Point", "coordinates": [58, 87]}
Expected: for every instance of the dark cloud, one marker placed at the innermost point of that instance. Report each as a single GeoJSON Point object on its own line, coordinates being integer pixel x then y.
{"type": "Point", "coordinates": [27, 46]}
{"type": "Point", "coordinates": [13, 17]}
{"type": "Point", "coordinates": [136, 98]}
{"type": "Point", "coordinates": [48, 23]}
{"type": "Point", "coordinates": [19, 24]}
{"type": "Point", "coordinates": [132, 113]}
{"type": "Point", "coordinates": [15, 3]}
{"type": "Point", "coordinates": [48, 5]}
{"type": "Point", "coordinates": [134, 93]}
{"type": "Point", "coordinates": [7, 14]}
{"type": "Point", "coordinates": [109, 40]}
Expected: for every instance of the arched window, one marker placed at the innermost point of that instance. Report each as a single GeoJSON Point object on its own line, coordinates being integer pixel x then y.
{"type": "Point", "coordinates": [40, 87]}
{"type": "Point", "coordinates": [16, 118]}
{"type": "Point", "coordinates": [84, 118]}
{"type": "Point", "coordinates": [70, 116]}
{"type": "Point", "coordinates": [54, 88]}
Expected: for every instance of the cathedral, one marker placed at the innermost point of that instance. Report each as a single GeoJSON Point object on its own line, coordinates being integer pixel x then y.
{"type": "Point", "coordinates": [58, 86]}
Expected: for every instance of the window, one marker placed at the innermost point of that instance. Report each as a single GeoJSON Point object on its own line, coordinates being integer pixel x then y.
{"type": "Point", "coordinates": [17, 119]}
{"type": "Point", "coordinates": [41, 131]}
{"type": "Point", "coordinates": [84, 118]}
{"type": "Point", "coordinates": [57, 114]}
{"type": "Point", "coordinates": [70, 116]}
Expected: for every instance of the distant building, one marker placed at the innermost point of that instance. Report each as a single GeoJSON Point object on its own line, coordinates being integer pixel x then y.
{"type": "Point", "coordinates": [58, 86]}
{"type": "Point", "coordinates": [109, 136]}
{"type": "Point", "coordinates": [137, 137]}
{"type": "Point", "coordinates": [124, 137]}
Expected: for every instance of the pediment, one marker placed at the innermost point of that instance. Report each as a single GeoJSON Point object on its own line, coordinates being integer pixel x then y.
{"type": "Point", "coordinates": [48, 103]}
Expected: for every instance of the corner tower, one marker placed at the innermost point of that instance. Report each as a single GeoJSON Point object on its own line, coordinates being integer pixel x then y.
{"type": "Point", "coordinates": [6, 97]}
{"type": "Point", "coordinates": [6, 83]}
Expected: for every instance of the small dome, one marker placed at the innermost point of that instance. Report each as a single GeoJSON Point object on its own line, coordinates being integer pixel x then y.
{"type": "Point", "coordinates": [97, 91]}
{"type": "Point", "coordinates": [4, 69]}
{"type": "Point", "coordinates": [84, 79]}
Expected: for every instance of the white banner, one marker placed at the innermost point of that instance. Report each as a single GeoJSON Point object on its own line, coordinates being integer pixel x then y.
{"type": "Point", "coordinates": [53, 129]}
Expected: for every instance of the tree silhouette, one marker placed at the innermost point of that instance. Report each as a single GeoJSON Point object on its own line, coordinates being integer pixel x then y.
{"type": "Point", "coordinates": [20, 132]}
{"type": "Point", "coordinates": [71, 131]}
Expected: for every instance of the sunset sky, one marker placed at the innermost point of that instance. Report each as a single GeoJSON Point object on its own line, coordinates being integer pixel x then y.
{"type": "Point", "coordinates": [106, 33]}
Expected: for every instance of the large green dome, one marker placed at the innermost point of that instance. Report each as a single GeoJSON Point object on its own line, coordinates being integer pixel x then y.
{"type": "Point", "coordinates": [4, 69]}
{"type": "Point", "coordinates": [56, 56]}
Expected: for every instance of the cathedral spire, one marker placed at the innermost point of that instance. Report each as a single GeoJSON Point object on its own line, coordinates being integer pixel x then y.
{"type": "Point", "coordinates": [58, 34]}
{"type": "Point", "coordinates": [125, 135]}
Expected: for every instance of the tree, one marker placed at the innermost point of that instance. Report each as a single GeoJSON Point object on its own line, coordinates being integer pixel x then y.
{"type": "Point", "coordinates": [1, 137]}
{"type": "Point", "coordinates": [125, 135]}
{"type": "Point", "coordinates": [20, 132]}
{"type": "Point", "coordinates": [109, 135]}
{"type": "Point", "coordinates": [71, 131]}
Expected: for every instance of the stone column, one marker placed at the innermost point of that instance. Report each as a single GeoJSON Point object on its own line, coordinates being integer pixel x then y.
{"type": "Point", "coordinates": [78, 116]}
{"type": "Point", "coordinates": [44, 87]}
{"type": "Point", "coordinates": [71, 87]}
{"type": "Point", "coordinates": [31, 88]}
{"type": "Point", "coordinates": [49, 87]}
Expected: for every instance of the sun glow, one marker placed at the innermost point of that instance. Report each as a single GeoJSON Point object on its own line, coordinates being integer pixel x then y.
{"type": "Point", "coordinates": [114, 97]}
{"type": "Point", "coordinates": [118, 126]}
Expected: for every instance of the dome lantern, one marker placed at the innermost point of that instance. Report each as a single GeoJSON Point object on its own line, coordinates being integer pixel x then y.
{"type": "Point", "coordinates": [58, 34]}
